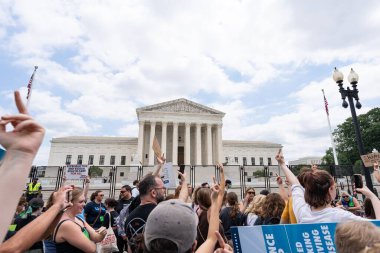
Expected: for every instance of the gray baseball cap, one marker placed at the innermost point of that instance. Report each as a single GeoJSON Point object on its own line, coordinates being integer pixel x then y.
{"type": "Point", "coordinates": [172, 220]}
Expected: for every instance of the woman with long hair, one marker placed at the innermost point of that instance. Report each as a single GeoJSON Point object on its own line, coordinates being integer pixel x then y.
{"type": "Point", "coordinates": [95, 210]}
{"type": "Point", "coordinates": [253, 211]}
{"type": "Point", "coordinates": [203, 198]}
{"type": "Point", "coordinates": [271, 210]}
{"type": "Point", "coordinates": [73, 234]}
{"type": "Point", "coordinates": [248, 197]}
{"type": "Point", "coordinates": [231, 215]}
{"type": "Point", "coordinates": [312, 203]}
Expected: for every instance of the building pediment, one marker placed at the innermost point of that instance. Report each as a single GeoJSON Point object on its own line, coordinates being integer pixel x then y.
{"type": "Point", "coordinates": [180, 106]}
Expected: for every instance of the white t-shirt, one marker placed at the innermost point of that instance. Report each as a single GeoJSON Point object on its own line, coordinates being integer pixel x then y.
{"type": "Point", "coordinates": [304, 214]}
{"type": "Point", "coordinates": [251, 218]}
{"type": "Point", "coordinates": [135, 192]}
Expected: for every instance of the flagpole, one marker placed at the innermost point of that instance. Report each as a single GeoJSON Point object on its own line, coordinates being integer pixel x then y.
{"type": "Point", "coordinates": [30, 87]}
{"type": "Point", "coordinates": [331, 136]}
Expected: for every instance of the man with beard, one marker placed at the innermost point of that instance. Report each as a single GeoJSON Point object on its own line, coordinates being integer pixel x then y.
{"type": "Point", "coordinates": [152, 191]}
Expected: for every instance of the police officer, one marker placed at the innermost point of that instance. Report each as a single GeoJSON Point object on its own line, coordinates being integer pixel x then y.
{"type": "Point", "coordinates": [33, 190]}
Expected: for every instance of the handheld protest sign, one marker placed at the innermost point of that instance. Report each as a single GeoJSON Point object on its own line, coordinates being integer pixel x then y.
{"type": "Point", "coordinates": [292, 238]}
{"type": "Point", "coordinates": [76, 172]}
{"type": "Point", "coordinates": [156, 147]}
{"type": "Point", "coordinates": [370, 159]}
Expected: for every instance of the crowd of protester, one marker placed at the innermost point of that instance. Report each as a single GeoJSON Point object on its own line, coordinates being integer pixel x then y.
{"type": "Point", "coordinates": [146, 219]}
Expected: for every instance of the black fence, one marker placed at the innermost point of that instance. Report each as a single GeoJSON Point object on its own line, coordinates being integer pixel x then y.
{"type": "Point", "coordinates": [259, 176]}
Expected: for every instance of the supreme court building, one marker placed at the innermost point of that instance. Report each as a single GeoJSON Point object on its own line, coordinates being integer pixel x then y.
{"type": "Point", "coordinates": [188, 133]}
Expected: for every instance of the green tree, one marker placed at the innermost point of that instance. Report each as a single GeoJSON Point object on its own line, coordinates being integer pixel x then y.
{"type": "Point", "coordinates": [95, 171]}
{"type": "Point", "coordinates": [328, 159]}
{"type": "Point", "coordinates": [259, 173]}
{"type": "Point", "coordinates": [345, 138]}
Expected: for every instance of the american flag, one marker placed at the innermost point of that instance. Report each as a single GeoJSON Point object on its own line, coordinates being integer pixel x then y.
{"type": "Point", "coordinates": [31, 83]}
{"type": "Point", "coordinates": [326, 104]}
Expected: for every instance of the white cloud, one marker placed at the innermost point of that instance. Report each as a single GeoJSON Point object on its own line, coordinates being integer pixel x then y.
{"type": "Point", "coordinates": [99, 60]}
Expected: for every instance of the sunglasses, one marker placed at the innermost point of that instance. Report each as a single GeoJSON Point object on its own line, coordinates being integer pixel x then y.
{"type": "Point", "coordinates": [251, 193]}
{"type": "Point", "coordinates": [345, 196]}
{"type": "Point", "coordinates": [101, 195]}
{"type": "Point", "coordinates": [123, 191]}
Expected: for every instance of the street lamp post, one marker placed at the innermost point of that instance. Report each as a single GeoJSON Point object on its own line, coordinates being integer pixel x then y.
{"type": "Point", "coordinates": [352, 94]}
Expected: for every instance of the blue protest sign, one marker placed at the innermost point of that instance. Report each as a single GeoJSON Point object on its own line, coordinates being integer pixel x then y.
{"type": "Point", "coordinates": [292, 238]}
{"type": "Point", "coordinates": [2, 153]}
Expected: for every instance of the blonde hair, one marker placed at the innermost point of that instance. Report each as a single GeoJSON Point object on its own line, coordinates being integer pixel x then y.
{"type": "Point", "coordinates": [354, 236]}
{"type": "Point", "coordinates": [375, 248]}
{"type": "Point", "coordinates": [256, 204]}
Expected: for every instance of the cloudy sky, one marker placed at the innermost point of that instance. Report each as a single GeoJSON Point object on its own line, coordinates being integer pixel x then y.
{"type": "Point", "coordinates": [263, 63]}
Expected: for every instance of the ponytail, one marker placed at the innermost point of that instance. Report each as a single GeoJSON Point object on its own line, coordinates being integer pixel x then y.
{"type": "Point", "coordinates": [317, 188]}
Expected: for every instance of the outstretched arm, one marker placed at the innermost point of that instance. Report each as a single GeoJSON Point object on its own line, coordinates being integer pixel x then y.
{"type": "Point", "coordinates": [288, 173]}
{"type": "Point", "coordinates": [86, 188]}
{"type": "Point", "coordinates": [376, 171]}
{"type": "Point", "coordinates": [157, 169]}
{"type": "Point", "coordinates": [184, 193]}
{"type": "Point", "coordinates": [374, 199]}
{"type": "Point", "coordinates": [216, 203]}
{"type": "Point", "coordinates": [22, 144]}
{"type": "Point", "coordinates": [40, 227]}
{"type": "Point", "coordinates": [281, 189]}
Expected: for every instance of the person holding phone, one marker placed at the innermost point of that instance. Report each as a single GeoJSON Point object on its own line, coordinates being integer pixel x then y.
{"type": "Point", "coordinates": [312, 203]}
{"type": "Point", "coordinates": [73, 234]}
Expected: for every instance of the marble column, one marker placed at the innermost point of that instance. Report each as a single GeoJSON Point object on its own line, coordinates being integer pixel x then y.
{"type": "Point", "coordinates": [175, 143]}
{"type": "Point", "coordinates": [209, 145]}
{"type": "Point", "coordinates": [140, 142]}
{"type": "Point", "coordinates": [219, 143]}
{"type": "Point", "coordinates": [163, 139]}
{"type": "Point", "coordinates": [152, 134]}
{"type": "Point", "coordinates": [187, 143]}
{"type": "Point", "coordinates": [198, 150]}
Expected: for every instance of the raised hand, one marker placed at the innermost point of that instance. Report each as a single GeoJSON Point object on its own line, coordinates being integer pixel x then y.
{"type": "Point", "coordinates": [161, 159]}
{"type": "Point", "coordinates": [280, 157]}
{"type": "Point", "coordinates": [365, 191]}
{"type": "Point", "coordinates": [60, 197]}
{"type": "Point", "coordinates": [182, 176]}
{"type": "Point", "coordinates": [279, 180]}
{"type": "Point", "coordinates": [215, 190]}
{"type": "Point", "coordinates": [27, 134]}
{"type": "Point", "coordinates": [224, 247]}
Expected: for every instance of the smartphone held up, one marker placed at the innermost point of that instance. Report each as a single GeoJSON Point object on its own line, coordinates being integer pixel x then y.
{"type": "Point", "coordinates": [357, 180]}
{"type": "Point", "coordinates": [182, 170]}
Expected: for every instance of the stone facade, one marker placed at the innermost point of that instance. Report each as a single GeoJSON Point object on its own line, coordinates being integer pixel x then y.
{"type": "Point", "coordinates": [189, 133]}
{"type": "Point", "coordinates": [308, 160]}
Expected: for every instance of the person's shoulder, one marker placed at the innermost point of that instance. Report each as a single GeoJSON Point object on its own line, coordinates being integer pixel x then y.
{"type": "Point", "coordinates": [147, 207]}
{"type": "Point", "coordinates": [114, 214]}
{"type": "Point", "coordinates": [133, 214]}
{"type": "Point", "coordinates": [225, 211]}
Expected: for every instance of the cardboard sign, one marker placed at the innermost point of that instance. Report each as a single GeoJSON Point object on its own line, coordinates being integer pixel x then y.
{"type": "Point", "coordinates": [292, 238]}
{"type": "Point", "coordinates": [370, 159]}
{"type": "Point", "coordinates": [168, 176]}
{"type": "Point", "coordinates": [76, 171]}
{"type": "Point", "coordinates": [156, 147]}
